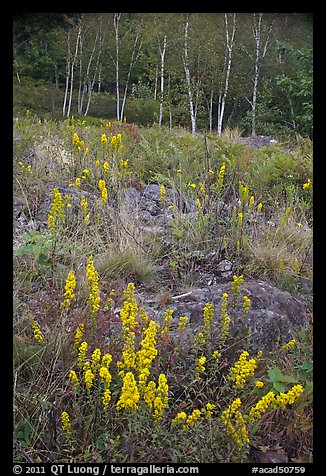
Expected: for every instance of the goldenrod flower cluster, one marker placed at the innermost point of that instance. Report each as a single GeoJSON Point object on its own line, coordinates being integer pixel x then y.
{"type": "Point", "coordinates": [78, 336]}
{"type": "Point", "coordinates": [162, 193]}
{"type": "Point", "coordinates": [259, 207]}
{"type": "Point", "coordinates": [149, 393]}
{"type": "Point", "coordinates": [167, 321]}
{"type": "Point", "coordinates": [82, 354]}
{"type": "Point", "coordinates": [96, 357]}
{"type": "Point", "coordinates": [129, 311]}
{"type": "Point", "coordinates": [183, 321]}
{"type": "Point", "coordinates": [225, 320]}
{"type": "Point", "coordinates": [242, 370]}
{"type": "Point", "coordinates": [104, 140]}
{"type": "Point", "coordinates": [130, 395]}
{"type": "Point", "coordinates": [73, 378]}
{"type": "Point", "coordinates": [86, 173]}
{"type": "Point", "coordinates": [89, 377]}
{"type": "Point", "coordinates": [259, 384]}
{"type": "Point", "coordinates": [70, 286]}
{"type": "Point", "coordinates": [161, 399]}
{"type": "Point", "coordinates": [66, 424]}
{"type": "Point", "coordinates": [190, 420]}
{"type": "Point", "coordinates": [208, 318]}
{"type": "Point", "coordinates": [200, 367]}
{"type": "Point", "coordinates": [261, 406]}
{"type": "Point", "coordinates": [84, 207]}
{"type": "Point", "coordinates": [92, 282]}
{"type": "Point", "coordinates": [289, 397]}
{"type": "Point", "coordinates": [38, 335]}
{"type": "Point", "coordinates": [235, 285]}
{"type": "Point", "coordinates": [146, 354]}
{"type": "Point", "coordinates": [128, 354]}
{"type": "Point", "coordinates": [106, 167]}
{"type": "Point", "coordinates": [235, 424]}
{"type": "Point", "coordinates": [246, 306]}
{"type": "Point", "coordinates": [56, 214]}
{"type": "Point", "coordinates": [306, 185]}
{"type": "Point", "coordinates": [251, 203]}
{"type": "Point", "coordinates": [289, 344]}
{"type": "Point", "coordinates": [220, 177]}
{"type": "Point", "coordinates": [116, 142]}
{"type": "Point", "coordinates": [104, 191]}
{"type": "Point", "coordinates": [243, 192]}
{"type": "Point", "coordinates": [78, 182]}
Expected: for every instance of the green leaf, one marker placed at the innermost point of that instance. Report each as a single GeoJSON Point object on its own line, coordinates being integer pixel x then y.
{"type": "Point", "coordinates": [279, 386]}
{"type": "Point", "coordinates": [44, 260]}
{"type": "Point", "coordinates": [274, 374]}
{"type": "Point", "coordinates": [305, 366]}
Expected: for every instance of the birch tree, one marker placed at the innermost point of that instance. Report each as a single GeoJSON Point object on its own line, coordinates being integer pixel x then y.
{"type": "Point", "coordinates": [71, 59]}
{"type": "Point", "coordinates": [162, 51]}
{"type": "Point", "coordinates": [230, 36]}
{"type": "Point", "coordinates": [134, 57]}
{"type": "Point", "coordinates": [188, 78]}
{"type": "Point", "coordinates": [261, 47]}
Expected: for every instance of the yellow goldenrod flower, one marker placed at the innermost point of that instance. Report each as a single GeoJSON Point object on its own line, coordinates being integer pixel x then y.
{"type": "Point", "coordinates": [147, 353]}
{"type": "Point", "coordinates": [87, 151]}
{"type": "Point", "coordinates": [130, 395]}
{"type": "Point", "coordinates": [192, 185]}
{"type": "Point", "coordinates": [149, 393]}
{"type": "Point", "coordinates": [289, 344]}
{"type": "Point", "coordinates": [200, 367]}
{"type": "Point", "coordinates": [246, 306]}
{"type": "Point", "coordinates": [235, 424]}
{"type": "Point", "coordinates": [66, 425]}
{"type": "Point", "coordinates": [106, 167]}
{"type": "Point", "coordinates": [106, 399]}
{"type": "Point", "coordinates": [261, 406]}
{"type": "Point", "coordinates": [96, 357]}
{"type": "Point", "coordinates": [220, 177]}
{"type": "Point", "coordinates": [193, 417]}
{"type": "Point", "coordinates": [251, 202]}
{"type": "Point", "coordinates": [216, 355]}
{"type": "Point", "coordinates": [78, 182]}
{"type": "Point", "coordinates": [89, 377]}
{"type": "Point", "coordinates": [225, 320]}
{"type": "Point", "coordinates": [208, 319]}
{"type": "Point", "coordinates": [105, 376]}
{"type": "Point", "coordinates": [82, 353]}
{"type": "Point", "coordinates": [207, 411]}
{"type": "Point", "coordinates": [235, 285]}
{"type": "Point", "coordinates": [106, 360]}
{"type": "Point", "coordinates": [306, 185]}
{"type": "Point", "coordinates": [104, 192]}
{"type": "Point", "coordinates": [75, 139]}
{"type": "Point", "coordinates": [78, 336]}
{"type": "Point", "coordinates": [289, 397]}
{"type": "Point", "coordinates": [69, 289]}
{"type": "Point", "coordinates": [259, 384]}
{"type": "Point", "coordinates": [129, 310]}
{"type": "Point", "coordinates": [38, 336]}
{"type": "Point", "coordinates": [242, 370]}
{"type": "Point", "coordinates": [73, 378]}
{"type": "Point", "coordinates": [104, 139]}
{"type": "Point", "coordinates": [167, 321]}
{"type": "Point", "coordinates": [162, 194]}
{"type": "Point", "coordinates": [180, 418]}
{"type": "Point", "coordinates": [56, 214]}
{"type": "Point", "coordinates": [161, 399]}
{"type": "Point", "coordinates": [240, 218]}
{"type": "Point", "coordinates": [93, 287]}
{"type": "Point", "coordinates": [183, 321]}
{"type": "Point", "coordinates": [259, 207]}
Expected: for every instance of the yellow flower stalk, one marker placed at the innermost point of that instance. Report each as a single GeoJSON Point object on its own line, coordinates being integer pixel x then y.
{"type": "Point", "coordinates": [225, 320]}
{"type": "Point", "coordinates": [70, 286]}
{"type": "Point", "coordinates": [66, 425]}
{"type": "Point", "coordinates": [259, 384]}
{"type": "Point", "coordinates": [129, 311]}
{"type": "Point", "coordinates": [82, 354]}
{"type": "Point", "coordinates": [200, 367]}
{"type": "Point", "coordinates": [104, 140]}
{"type": "Point", "coordinates": [104, 191]}
{"type": "Point", "coordinates": [105, 376]}
{"type": "Point", "coordinates": [220, 177]}
{"type": "Point", "coordinates": [106, 399]}
{"type": "Point", "coordinates": [289, 344]}
{"type": "Point", "coordinates": [180, 418]}
{"type": "Point", "coordinates": [38, 335]}
{"type": "Point", "coordinates": [93, 287]}
{"type": "Point", "coordinates": [161, 399]}
{"type": "Point", "coordinates": [106, 167]}
{"type": "Point", "coordinates": [167, 321]}
{"type": "Point", "coordinates": [246, 306]}
{"type": "Point", "coordinates": [306, 185]}
{"type": "Point", "coordinates": [208, 319]}
{"type": "Point", "coordinates": [149, 393]}
{"type": "Point", "coordinates": [89, 377]}
{"type": "Point", "coordinates": [78, 182]}
{"type": "Point", "coordinates": [78, 336]}
{"type": "Point", "coordinates": [193, 417]}
{"type": "Point", "coordinates": [96, 357]}
{"type": "Point", "coordinates": [56, 214]}
{"type": "Point", "coordinates": [242, 370]}
{"type": "Point", "coordinates": [146, 354]}
{"type": "Point", "coordinates": [259, 207]}
{"type": "Point", "coordinates": [162, 193]}
{"type": "Point", "coordinates": [73, 378]}
{"type": "Point", "coordinates": [183, 321]}
{"type": "Point", "coordinates": [235, 424]}
{"type": "Point", "coordinates": [130, 395]}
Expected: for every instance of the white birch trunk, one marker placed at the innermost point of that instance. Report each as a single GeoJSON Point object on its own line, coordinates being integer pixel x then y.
{"type": "Point", "coordinates": [72, 70]}
{"type": "Point", "coordinates": [228, 58]}
{"type": "Point", "coordinates": [67, 76]}
{"type": "Point", "coordinates": [116, 20]}
{"type": "Point", "coordinates": [188, 79]}
{"type": "Point", "coordinates": [156, 81]}
{"type": "Point", "coordinates": [162, 53]}
{"type": "Point", "coordinates": [133, 60]}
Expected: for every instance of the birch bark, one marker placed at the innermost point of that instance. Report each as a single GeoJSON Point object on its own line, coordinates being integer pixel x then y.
{"type": "Point", "coordinates": [188, 78]}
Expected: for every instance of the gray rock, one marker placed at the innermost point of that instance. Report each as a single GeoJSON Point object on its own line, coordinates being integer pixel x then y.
{"type": "Point", "coordinates": [274, 314]}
